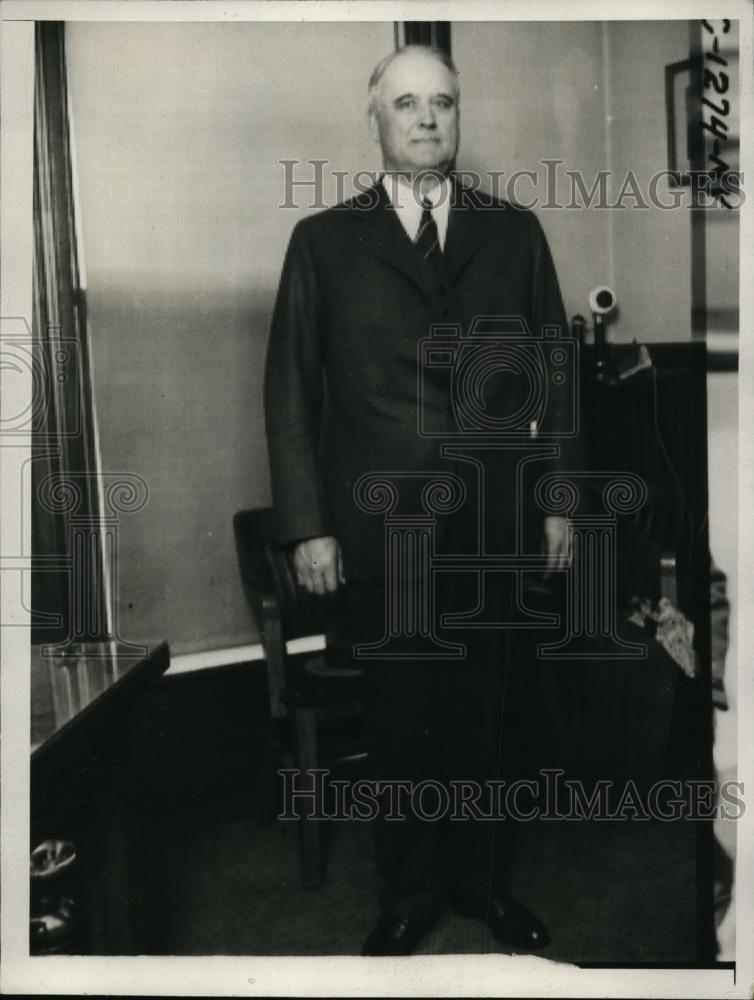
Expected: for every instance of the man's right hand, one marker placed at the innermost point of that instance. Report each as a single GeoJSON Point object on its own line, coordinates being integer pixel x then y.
{"type": "Point", "coordinates": [318, 564]}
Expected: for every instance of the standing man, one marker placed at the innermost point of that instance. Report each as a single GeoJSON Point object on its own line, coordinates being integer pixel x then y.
{"type": "Point", "coordinates": [361, 286]}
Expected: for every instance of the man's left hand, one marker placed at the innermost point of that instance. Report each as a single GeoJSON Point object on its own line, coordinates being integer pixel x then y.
{"type": "Point", "coordinates": [556, 543]}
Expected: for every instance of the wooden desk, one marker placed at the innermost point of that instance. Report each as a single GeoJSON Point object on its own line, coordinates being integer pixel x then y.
{"type": "Point", "coordinates": [654, 423]}
{"type": "Point", "coordinates": [82, 789]}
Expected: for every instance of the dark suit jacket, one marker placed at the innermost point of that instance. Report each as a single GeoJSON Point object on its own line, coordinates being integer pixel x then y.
{"type": "Point", "coordinates": [341, 389]}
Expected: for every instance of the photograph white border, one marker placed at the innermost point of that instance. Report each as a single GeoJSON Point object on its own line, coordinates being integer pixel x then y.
{"type": "Point", "coordinates": [448, 975]}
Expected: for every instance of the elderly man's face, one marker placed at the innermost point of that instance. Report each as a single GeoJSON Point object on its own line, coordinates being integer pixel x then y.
{"type": "Point", "coordinates": [415, 114]}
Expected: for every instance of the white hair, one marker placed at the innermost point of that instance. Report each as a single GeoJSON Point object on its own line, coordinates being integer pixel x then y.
{"type": "Point", "coordinates": [379, 70]}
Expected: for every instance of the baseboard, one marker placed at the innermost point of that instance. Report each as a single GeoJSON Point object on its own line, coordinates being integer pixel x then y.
{"type": "Point", "coordinates": [185, 663]}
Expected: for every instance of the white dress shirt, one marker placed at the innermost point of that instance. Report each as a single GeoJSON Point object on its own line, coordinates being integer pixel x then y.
{"type": "Point", "coordinates": [408, 208]}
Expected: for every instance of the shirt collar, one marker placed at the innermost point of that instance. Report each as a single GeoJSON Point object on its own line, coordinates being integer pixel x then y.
{"type": "Point", "coordinates": [408, 207]}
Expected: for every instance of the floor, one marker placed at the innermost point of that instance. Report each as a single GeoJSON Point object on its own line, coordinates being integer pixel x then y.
{"type": "Point", "coordinates": [219, 879]}
{"type": "Point", "coordinates": [612, 893]}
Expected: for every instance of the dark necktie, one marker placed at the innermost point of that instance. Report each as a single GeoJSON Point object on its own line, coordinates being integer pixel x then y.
{"type": "Point", "coordinates": [427, 238]}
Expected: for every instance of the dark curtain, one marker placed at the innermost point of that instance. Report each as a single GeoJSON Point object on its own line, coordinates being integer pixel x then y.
{"type": "Point", "coordinates": [67, 592]}
{"type": "Point", "coordinates": [434, 33]}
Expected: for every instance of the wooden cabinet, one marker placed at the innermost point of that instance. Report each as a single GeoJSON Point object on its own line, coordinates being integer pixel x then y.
{"type": "Point", "coordinates": [82, 791]}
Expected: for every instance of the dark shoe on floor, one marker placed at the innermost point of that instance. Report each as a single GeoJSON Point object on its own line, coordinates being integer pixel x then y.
{"type": "Point", "coordinates": [396, 935]}
{"type": "Point", "coordinates": [510, 921]}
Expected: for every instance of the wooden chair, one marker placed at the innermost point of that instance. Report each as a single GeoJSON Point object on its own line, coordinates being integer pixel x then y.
{"type": "Point", "coordinates": [309, 689]}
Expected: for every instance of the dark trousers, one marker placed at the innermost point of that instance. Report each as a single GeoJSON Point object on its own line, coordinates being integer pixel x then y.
{"type": "Point", "coordinates": [450, 722]}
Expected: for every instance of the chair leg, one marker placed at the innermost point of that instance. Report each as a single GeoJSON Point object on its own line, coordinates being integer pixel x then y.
{"type": "Point", "coordinates": [310, 832]}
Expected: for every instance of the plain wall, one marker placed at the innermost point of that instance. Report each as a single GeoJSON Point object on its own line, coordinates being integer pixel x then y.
{"type": "Point", "coordinates": [649, 248]}
{"type": "Point", "coordinates": [722, 437]}
{"type": "Point", "coordinates": [533, 92]}
{"type": "Point", "coordinates": [590, 94]}
{"type": "Point", "coordinates": [179, 129]}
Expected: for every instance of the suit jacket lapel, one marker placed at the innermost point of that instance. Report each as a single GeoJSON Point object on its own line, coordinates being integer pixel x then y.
{"type": "Point", "coordinates": [379, 230]}
{"type": "Point", "coordinates": [464, 235]}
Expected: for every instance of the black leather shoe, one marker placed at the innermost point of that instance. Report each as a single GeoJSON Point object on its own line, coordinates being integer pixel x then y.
{"type": "Point", "coordinates": [510, 921]}
{"type": "Point", "coordinates": [396, 935]}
